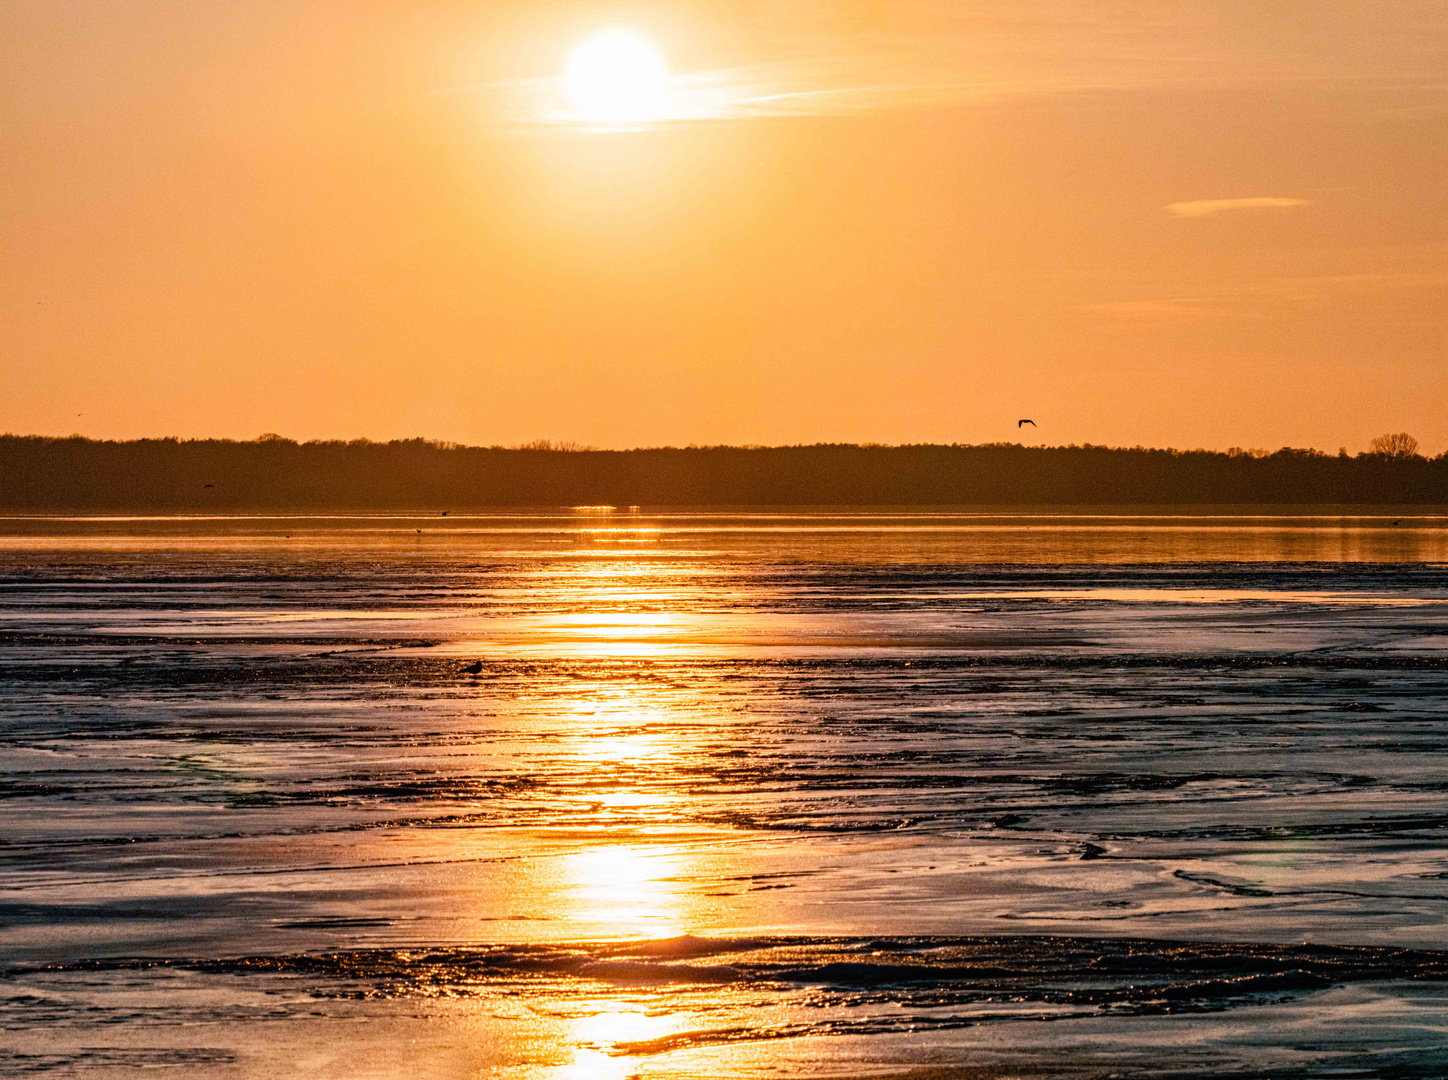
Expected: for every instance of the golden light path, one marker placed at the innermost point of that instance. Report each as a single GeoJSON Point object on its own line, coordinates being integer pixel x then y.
{"type": "Point", "coordinates": [630, 881]}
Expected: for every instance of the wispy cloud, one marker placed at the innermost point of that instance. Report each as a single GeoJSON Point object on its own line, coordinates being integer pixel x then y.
{"type": "Point", "coordinates": [819, 87]}
{"type": "Point", "coordinates": [1155, 310]}
{"type": "Point", "coordinates": [1203, 207]}
{"type": "Point", "coordinates": [1272, 296]}
{"type": "Point", "coordinates": [831, 57]}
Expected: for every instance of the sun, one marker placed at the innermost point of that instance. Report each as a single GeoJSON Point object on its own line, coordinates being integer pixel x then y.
{"type": "Point", "coordinates": [617, 77]}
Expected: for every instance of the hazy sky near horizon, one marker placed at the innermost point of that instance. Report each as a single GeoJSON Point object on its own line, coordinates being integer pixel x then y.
{"type": "Point", "coordinates": [1162, 222]}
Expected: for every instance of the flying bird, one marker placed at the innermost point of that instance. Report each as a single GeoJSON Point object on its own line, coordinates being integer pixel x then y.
{"type": "Point", "coordinates": [1023, 423]}
{"type": "Point", "coordinates": [208, 485]}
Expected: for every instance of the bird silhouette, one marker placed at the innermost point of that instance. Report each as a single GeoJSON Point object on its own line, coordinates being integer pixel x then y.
{"type": "Point", "coordinates": [444, 513]}
{"type": "Point", "coordinates": [475, 668]}
{"type": "Point", "coordinates": [1023, 423]}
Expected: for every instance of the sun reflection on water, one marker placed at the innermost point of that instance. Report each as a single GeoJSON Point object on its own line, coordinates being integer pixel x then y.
{"type": "Point", "coordinates": [632, 889]}
{"type": "Point", "coordinates": [628, 879]}
{"type": "Point", "coordinates": [594, 1037]}
{"type": "Point", "coordinates": [634, 874]}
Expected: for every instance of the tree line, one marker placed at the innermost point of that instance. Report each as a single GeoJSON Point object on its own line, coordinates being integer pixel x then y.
{"type": "Point", "coordinates": [71, 475]}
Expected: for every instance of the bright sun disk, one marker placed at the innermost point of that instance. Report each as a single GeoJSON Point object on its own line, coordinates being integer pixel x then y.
{"type": "Point", "coordinates": [617, 77]}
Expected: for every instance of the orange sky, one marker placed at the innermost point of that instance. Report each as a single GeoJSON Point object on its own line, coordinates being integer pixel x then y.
{"type": "Point", "coordinates": [1180, 222]}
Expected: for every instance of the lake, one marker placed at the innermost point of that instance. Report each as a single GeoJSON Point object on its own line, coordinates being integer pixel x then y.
{"type": "Point", "coordinates": [601, 793]}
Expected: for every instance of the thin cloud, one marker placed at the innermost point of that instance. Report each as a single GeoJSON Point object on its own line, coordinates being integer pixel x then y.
{"type": "Point", "coordinates": [839, 57]}
{"type": "Point", "coordinates": [1203, 207]}
{"type": "Point", "coordinates": [1155, 310]}
{"type": "Point", "coordinates": [798, 88]}
{"type": "Point", "coordinates": [1261, 299]}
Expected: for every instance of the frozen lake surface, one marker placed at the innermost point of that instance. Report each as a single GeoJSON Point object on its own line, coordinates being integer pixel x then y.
{"type": "Point", "coordinates": [599, 794]}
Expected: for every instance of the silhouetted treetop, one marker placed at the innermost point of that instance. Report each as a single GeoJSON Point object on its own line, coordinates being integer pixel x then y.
{"type": "Point", "coordinates": [1400, 445]}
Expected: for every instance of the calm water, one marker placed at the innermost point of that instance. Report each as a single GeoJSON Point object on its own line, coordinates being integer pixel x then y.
{"type": "Point", "coordinates": [597, 794]}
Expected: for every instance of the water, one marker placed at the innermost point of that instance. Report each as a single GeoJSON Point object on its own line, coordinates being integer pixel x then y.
{"type": "Point", "coordinates": [599, 794]}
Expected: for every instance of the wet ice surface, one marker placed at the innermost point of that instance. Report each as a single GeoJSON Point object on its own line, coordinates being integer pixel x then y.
{"type": "Point", "coordinates": [803, 795]}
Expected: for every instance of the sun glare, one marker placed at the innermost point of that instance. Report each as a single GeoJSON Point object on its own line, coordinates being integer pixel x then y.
{"type": "Point", "coordinates": [617, 77]}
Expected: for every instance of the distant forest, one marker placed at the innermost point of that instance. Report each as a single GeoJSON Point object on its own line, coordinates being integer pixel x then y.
{"type": "Point", "coordinates": [70, 475]}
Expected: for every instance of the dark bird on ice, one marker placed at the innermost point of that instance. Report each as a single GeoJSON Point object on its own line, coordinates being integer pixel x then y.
{"type": "Point", "coordinates": [475, 668]}
{"type": "Point", "coordinates": [444, 513]}
{"type": "Point", "coordinates": [1023, 423]}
